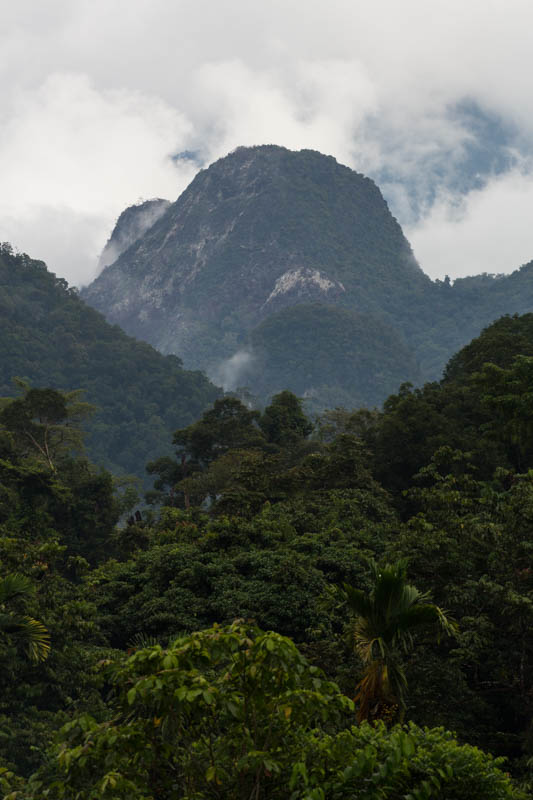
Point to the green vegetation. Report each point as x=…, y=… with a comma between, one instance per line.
x=16, y=629
x=237, y=712
x=384, y=621
x=49, y=337
x=211, y=647
x=335, y=356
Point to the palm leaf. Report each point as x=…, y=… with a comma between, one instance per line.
x=29, y=632
x=24, y=630
x=383, y=626
x=37, y=639
x=357, y=600
x=13, y=587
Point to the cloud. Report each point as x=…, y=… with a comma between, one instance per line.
x=317, y=105
x=72, y=157
x=489, y=230
x=97, y=96
x=66, y=239
x=230, y=372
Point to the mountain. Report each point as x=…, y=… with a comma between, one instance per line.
x=455, y=314
x=130, y=226
x=50, y=337
x=280, y=269
x=335, y=357
x=261, y=230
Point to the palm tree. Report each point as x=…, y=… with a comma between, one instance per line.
x=382, y=632
x=19, y=629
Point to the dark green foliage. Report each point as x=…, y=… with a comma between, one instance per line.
x=384, y=622
x=230, y=452
x=57, y=515
x=193, y=571
x=227, y=426
x=237, y=713
x=473, y=303
x=283, y=421
x=43, y=487
x=49, y=337
x=481, y=408
x=44, y=424
x=16, y=629
x=470, y=543
x=331, y=354
x=278, y=517
x=498, y=344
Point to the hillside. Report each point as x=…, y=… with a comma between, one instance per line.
x=455, y=314
x=354, y=359
x=50, y=337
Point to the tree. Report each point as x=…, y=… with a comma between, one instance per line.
x=229, y=425
x=470, y=542
x=19, y=629
x=506, y=397
x=283, y=421
x=385, y=619
x=222, y=713
x=238, y=713
x=45, y=423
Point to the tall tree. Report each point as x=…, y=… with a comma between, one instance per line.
x=229, y=425
x=283, y=421
x=382, y=632
x=45, y=423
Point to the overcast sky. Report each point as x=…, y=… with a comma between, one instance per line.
x=432, y=99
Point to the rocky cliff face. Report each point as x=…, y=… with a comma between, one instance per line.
x=260, y=230
x=279, y=269
x=130, y=226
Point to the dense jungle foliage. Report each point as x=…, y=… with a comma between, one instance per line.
x=310, y=609
x=50, y=337
x=360, y=359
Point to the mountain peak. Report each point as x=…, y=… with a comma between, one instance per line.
x=133, y=222
x=260, y=230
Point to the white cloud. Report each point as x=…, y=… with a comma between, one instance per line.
x=68, y=240
x=489, y=230
x=98, y=95
x=72, y=157
x=318, y=105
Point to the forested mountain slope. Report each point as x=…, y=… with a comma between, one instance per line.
x=50, y=337
x=455, y=314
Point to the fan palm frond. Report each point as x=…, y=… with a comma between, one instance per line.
x=17, y=628
x=383, y=626
x=13, y=587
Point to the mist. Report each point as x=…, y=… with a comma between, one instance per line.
x=131, y=225
x=230, y=373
